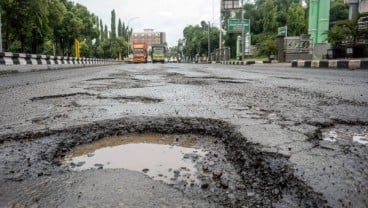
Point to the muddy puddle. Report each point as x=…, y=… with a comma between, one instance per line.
x=168, y=158
x=356, y=134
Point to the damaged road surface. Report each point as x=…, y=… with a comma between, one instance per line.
x=182, y=135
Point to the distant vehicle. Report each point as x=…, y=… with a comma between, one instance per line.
x=139, y=52
x=158, y=53
x=173, y=59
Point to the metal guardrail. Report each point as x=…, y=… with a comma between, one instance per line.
x=222, y=54
x=8, y=58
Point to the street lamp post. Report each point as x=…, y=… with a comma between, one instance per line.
x=1, y=39
x=128, y=38
x=242, y=37
x=220, y=40
x=209, y=41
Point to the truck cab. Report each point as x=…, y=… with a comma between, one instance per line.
x=158, y=53
x=139, y=52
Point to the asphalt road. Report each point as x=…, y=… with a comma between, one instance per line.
x=282, y=113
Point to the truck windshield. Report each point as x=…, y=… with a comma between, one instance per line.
x=138, y=50
x=158, y=50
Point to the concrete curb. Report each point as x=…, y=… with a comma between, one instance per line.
x=18, y=62
x=247, y=62
x=331, y=64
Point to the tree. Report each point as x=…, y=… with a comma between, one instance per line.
x=101, y=30
x=197, y=39
x=120, y=29
x=269, y=20
x=113, y=24
x=339, y=11
x=296, y=21
x=24, y=23
x=268, y=46
x=42, y=26
x=106, y=33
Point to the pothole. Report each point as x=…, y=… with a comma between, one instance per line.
x=168, y=158
x=100, y=79
x=221, y=166
x=357, y=134
x=88, y=99
x=233, y=82
x=291, y=78
x=134, y=99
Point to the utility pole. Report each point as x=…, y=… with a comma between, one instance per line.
x=209, y=41
x=242, y=37
x=220, y=41
x=1, y=37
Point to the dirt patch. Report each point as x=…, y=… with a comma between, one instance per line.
x=100, y=79
x=233, y=82
x=185, y=81
x=176, y=78
x=72, y=99
x=62, y=96
x=259, y=179
x=291, y=78
x=121, y=84
x=137, y=99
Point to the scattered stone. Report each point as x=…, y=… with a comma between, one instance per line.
x=205, y=186
x=275, y=191
x=241, y=187
x=145, y=170
x=216, y=174
x=176, y=173
x=224, y=182
x=251, y=194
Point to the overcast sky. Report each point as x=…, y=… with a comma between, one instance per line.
x=170, y=16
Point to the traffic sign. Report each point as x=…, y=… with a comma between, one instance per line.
x=237, y=25
x=230, y=5
x=282, y=31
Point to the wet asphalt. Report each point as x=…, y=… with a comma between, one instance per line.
x=265, y=119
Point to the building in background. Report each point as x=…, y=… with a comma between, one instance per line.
x=363, y=6
x=149, y=36
x=356, y=6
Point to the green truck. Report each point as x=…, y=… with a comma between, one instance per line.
x=158, y=53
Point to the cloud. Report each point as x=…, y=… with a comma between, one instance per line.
x=170, y=16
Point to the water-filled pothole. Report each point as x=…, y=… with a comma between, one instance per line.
x=169, y=158
x=358, y=134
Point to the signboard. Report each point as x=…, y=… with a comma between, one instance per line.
x=282, y=31
x=236, y=26
x=351, y=1
x=230, y=5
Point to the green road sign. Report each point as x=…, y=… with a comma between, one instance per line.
x=282, y=31
x=236, y=26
